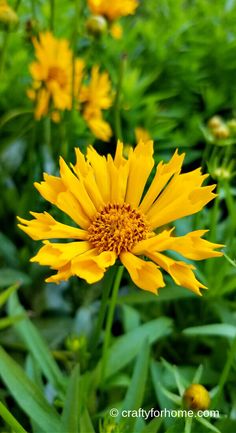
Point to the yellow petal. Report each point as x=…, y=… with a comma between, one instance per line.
x=141, y=164
x=76, y=187
x=183, y=196
x=57, y=255
x=145, y=275
x=44, y=226
x=91, y=266
x=164, y=172
x=99, y=165
x=181, y=272
x=63, y=274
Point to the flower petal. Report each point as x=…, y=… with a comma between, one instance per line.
x=44, y=226
x=164, y=172
x=91, y=266
x=140, y=166
x=181, y=272
x=145, y=275
x=183, y=196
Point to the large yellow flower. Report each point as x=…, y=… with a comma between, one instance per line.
x=52, y=73
x=115, y=219
x=95, y=97
x=113, y=10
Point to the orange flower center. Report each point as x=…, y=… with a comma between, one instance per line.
x=55, y=73
x=118, y=228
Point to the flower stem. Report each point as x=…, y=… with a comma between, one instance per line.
x=225, y=373
x=108, y=281
x=52, y=14
x=117, y=118
x=110, y=317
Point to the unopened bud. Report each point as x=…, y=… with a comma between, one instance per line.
x=196, y=397
x=214, y=122
x=96, y=25
x=221, y=132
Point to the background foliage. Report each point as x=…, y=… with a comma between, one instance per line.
x=175, y=68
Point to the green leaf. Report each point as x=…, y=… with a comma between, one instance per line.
x=207, y=424
x=217, y=329
x=11, y=420
x=125, y=348
x=27, y=394
x=134, y=396
x=7, y=293
x=13, y=114
x=10, y=276
x=70, y=414
x=85, y=422
x=153, y=426
x=36, y=345
x=8, y=321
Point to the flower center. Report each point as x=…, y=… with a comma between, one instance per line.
x=118, y=228
x=56, y=73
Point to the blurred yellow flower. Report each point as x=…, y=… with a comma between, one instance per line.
x=95, y=97
x=8, y=16
x=116, y=31
x=115, y=219
x=52, y=73
x=113, y=10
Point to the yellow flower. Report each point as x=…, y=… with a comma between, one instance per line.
x=116, y=31
x=104, y=197
x=113, y=10
x=52, y=73
x=196, y=397
x=8, y=16
x=96, y=96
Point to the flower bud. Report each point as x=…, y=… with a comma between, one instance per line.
x=196, y=397
x=96, y=25
x=221, y=132
x=214, y=122
x=8, y=17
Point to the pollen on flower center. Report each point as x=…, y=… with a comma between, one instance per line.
x=117, y=227
x=55, y=73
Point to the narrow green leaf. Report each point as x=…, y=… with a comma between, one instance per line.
x=13, y=114
x=9, y=276
x=8, y=321
x=36, y=345
x=216, y=329
x=153, y=426
x=11, y=420
x=198, y=375
x=7, y=293
x=208, y=425
x=134, y=396
x=85, y=422
x=126, y=348
x=27, y=394
x=70, y=415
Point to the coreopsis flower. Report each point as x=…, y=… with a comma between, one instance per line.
x=52, y=75
x=113, y=10
x=95, y=97
x=115, y=220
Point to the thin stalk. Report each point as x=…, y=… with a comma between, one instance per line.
x=110, y=317
x=52, y=15
x=11, y=420
x=225, y=373
x=108, y=281
x=117, y=117
x=188, y=425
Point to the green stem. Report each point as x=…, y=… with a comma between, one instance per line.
x=110, y=317
x=117, y=118
x=52, y=14
x=10, y=420
x=3, y=52
x=108, y=281
x=188, y=425
x=225, y=373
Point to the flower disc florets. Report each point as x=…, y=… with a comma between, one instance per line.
x=118, y=228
